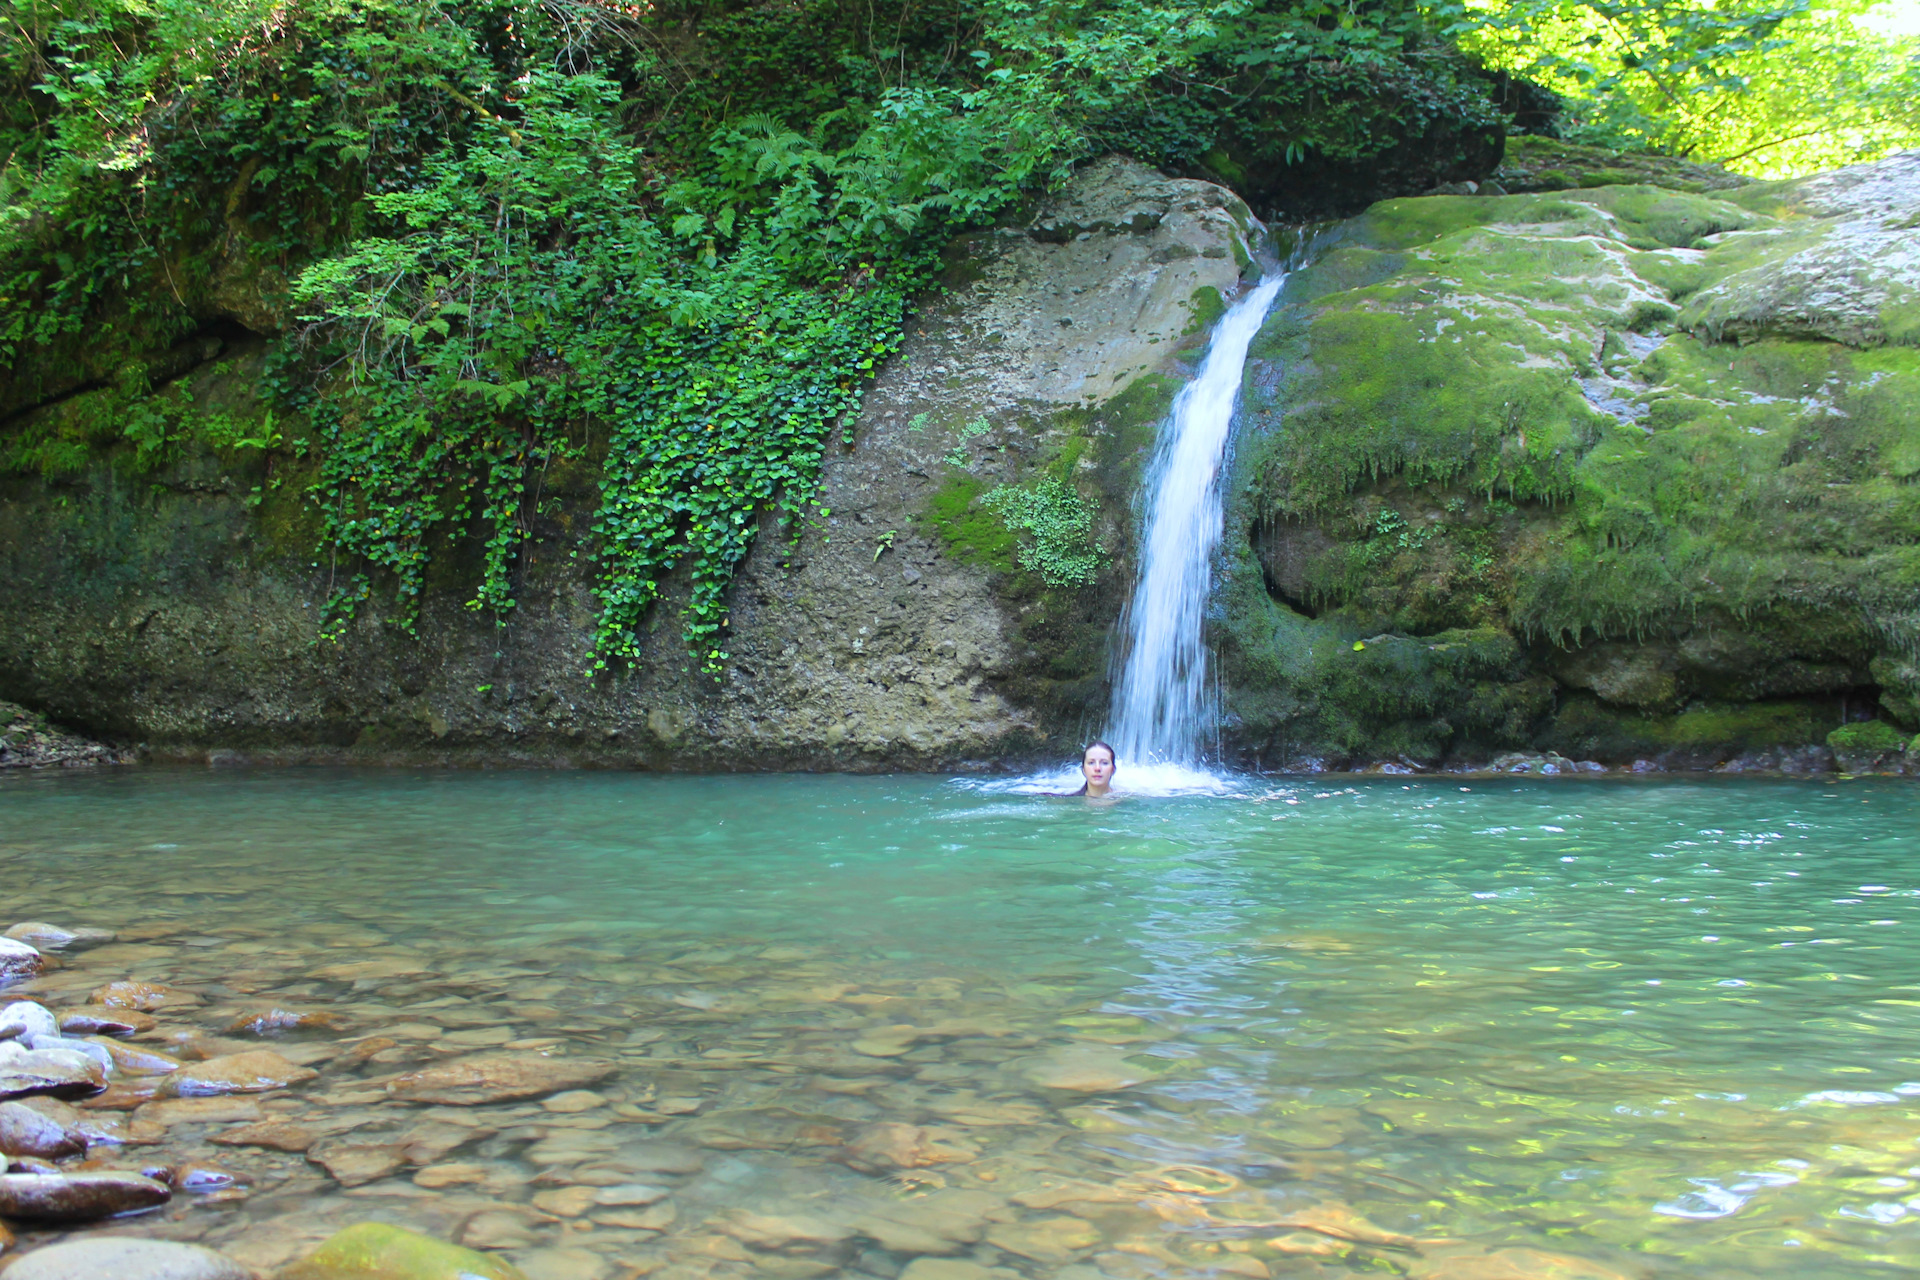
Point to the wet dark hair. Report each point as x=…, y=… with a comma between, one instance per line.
x=1112, y=755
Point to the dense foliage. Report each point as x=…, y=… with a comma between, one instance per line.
x=671, y=241
x=500, y=233
x=1772, y=87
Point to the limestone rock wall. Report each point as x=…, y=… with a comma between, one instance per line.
x=179, y=608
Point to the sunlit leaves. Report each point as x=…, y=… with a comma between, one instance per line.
x=1776, y=87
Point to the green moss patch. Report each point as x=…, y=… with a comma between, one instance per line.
x=1491, y=412
x=1585, y=728
x=1207, y=306
x=972, y=532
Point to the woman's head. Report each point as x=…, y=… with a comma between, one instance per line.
x=1096, y=766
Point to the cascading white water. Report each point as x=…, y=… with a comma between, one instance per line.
x=1161, y=705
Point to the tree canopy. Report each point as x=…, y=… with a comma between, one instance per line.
x=1776, y=88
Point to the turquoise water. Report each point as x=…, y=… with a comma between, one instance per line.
x=1660, y=1028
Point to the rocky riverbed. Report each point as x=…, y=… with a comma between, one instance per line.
x=604, y=1025
x=574, y=1112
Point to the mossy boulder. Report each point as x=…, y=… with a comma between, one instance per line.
x=1841, y=260
x=376, y=1251
x=1784, y=735
x=1599, y=422
x=1872, y=746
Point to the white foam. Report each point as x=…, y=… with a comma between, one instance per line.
x=1156, y=779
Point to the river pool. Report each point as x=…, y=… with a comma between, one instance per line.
x=1456, y=1028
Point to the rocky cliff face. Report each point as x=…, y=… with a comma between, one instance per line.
x=904, y=628
x=1625, y=473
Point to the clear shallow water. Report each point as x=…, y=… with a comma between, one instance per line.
x=1640, y=1028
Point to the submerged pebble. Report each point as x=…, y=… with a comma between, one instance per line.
x=497, y=1077
x=256, y=1071
x=51, y=937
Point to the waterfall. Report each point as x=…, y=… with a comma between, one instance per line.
x=1161, y=705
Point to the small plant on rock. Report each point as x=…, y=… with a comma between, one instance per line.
x=1059, y=521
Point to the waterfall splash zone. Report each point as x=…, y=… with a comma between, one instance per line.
x=1161, y=705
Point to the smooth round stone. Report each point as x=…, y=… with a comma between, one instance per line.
x=1082, y=1070
x=497, y=1077
x=945, y=1269
x=25, y=1018
x=24, y=1072
x=51, y=937
x=97, y=1020
x=261, y=1022
x=256, y=1071
x=574, y=1101
x=26, y=1131
x=372, y=1249
x=127, y=1260
x=144, y=997
x=77, y=1197
x=72, y=1044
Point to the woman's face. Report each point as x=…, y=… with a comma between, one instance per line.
x=1097, y=766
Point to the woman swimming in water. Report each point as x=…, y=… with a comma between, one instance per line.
x=1096, y=766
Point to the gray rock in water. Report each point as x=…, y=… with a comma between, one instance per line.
x=25, y=1018
x=71, y=1044
x=57, y=1072
x=127, y=1260
x=51, y=937
x=77, y=1197
x=28, y=1131
x=18, y=960
x=95, y=1020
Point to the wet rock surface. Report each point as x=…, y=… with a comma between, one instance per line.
x=77, y=1197
x=255, y=1071
x=124, y=1259
x=24, y=1019
x=18, y=959
x=29, y=1131
x=52, y=937
x=58, y=1073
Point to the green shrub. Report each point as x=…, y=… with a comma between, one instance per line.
x=1059, y=524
